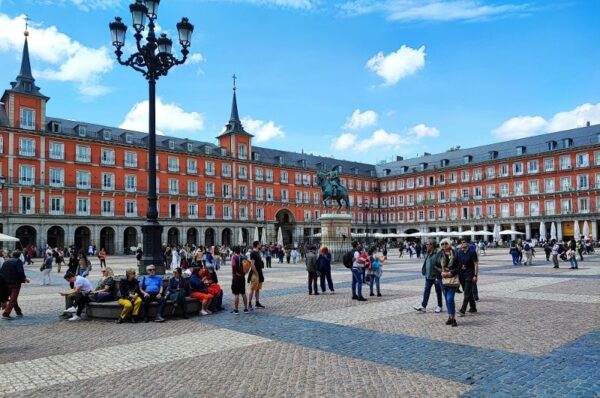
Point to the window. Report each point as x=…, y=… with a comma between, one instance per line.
x=258, y=174
x=108, y=208
x=1, y=144
x=83, y=206
x=503, y=189
x=26, y=147
x=107, y=156
x=128, y=138
x=173, y=164
x=209, y=189
x=452, y=177
x=306, y=180
x=533, y=166
x=298, y=197
x=269, y=196
x=269, y=175
x=567, y=142
x=519, y=188
x=192, y=210
x=209, y=168
x=596, y=154
x=464, y=176
x=583, y=205
x=243, y=190
x=534, y=187
x=108, y=181
x=83, y=154
x=26, y=175
x=227, y=212
x=192, y=188
x=306, y=215
x=503, y=170
x=207, y=150
x=583, y=182
x=298, y=179
x=549, y=164
x=226, y=190
x=441, y=179
x=518, y=168
x=130, y=208
x=477, y=174
x=467, y=159
x=551, y=145
x=242, y=172
x=534, y=209
x=226, y=170
x=284, y=195
x=283, y=177
x=521, y=150
x=130, y=183
x=173, y=186
x=171, y=144
x=317, y=198
x=83, y=179
x=566, y=206
x=56, y=177
x=549, y=185
x=519, y=210
x=565, y=162
x=242, y=151
x=491, y=210
x=130, y=159
x=504, y=210
x=26, y=204
x=477, y=192
x=491, y=191
x=82, y=131
x=260, y=213
x=549, y=207
x=243, y=213
x=565, y=184
x=190, y=147
x=420, y=182
x=27, y=120
x=106, y=133
x=410, y=183
x=259, y=193
x=490, y=172
x=582, y=160
x=57, y=150
x=56, y=206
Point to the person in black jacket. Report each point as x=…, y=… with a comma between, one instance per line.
x=14, y=275
x=130, y=296
x=447, y=266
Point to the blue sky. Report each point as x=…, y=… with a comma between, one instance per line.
x=358, y=79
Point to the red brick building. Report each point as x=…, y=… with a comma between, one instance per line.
x=64, y=182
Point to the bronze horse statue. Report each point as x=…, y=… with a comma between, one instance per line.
x=327, y=189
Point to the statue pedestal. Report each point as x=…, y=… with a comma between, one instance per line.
x=336, y=234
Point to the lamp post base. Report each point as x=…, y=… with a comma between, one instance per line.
x=152, y=235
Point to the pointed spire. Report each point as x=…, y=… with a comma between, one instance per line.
x=25, y=63
x=235, y=124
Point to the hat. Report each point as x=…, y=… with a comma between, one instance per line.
x=446, y=240
x=148, y=268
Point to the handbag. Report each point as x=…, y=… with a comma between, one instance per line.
x=451, y=281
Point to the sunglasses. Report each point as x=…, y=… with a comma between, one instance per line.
x=444, y=244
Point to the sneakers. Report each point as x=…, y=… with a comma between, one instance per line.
x=71, y=310
x=420, y=308
x=371, y=294
x=378, y=294
x=354, y=297
x=203, y=312
x=449, y=321
x=159, y=319
x=250, y=308
x=245, y=311
x=74, y=318
x=361, y=298
x=461, y=313
x=7, y=318
x=454, y=324
x=438, y=309
x=259, y=305
x=235, y=312
x=473, y=310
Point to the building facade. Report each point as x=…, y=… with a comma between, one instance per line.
x=73, y=183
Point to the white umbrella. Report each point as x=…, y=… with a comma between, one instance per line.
x=543, y=231
x=7, y=238
x=318, y=235
x=241, y=237
x=553, y=232
x=279, y=236
x=484, y=233
x=497, y=232
x=468, y=232
x=256, y=235
x=586, y=229
x=511, y=232
x=576, y=233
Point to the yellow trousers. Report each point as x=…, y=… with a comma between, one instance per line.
x=128, y=306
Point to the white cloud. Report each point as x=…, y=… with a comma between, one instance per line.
x=344, y=142
x=261, y=130
x=397, y=65
x=360, y=119
x=526, y=126
x=432, y=10
x=423, y=131
x=169, y=118
x=195, y=58
x=62, y=58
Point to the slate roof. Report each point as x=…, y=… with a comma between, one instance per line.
x=581, y=137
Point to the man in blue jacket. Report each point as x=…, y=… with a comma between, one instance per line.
x=151, y=286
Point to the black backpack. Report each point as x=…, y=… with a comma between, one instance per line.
x=348, y=259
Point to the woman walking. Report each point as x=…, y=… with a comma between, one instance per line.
x=102, y=258
x=447, y=266
x=324, y=266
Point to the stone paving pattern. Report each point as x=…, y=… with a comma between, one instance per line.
x=537, y=333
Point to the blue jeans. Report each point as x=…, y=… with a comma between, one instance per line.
x=439, y=288
x=357, y=282
x=374, y=278
x=573, y=262
x=515, y=258
x=449, y=292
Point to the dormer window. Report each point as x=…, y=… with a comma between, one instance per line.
x=467, y=159
x=355, y=171
x=81, y=131
x=190, y=147
x=444, y=162
x=27, y=86
x=128, y=138
x=340, y=168
x=493, y=155
x=54, y=127
x=404, y=169
x=223, y=151
x=207, y=150
x=256, y=156
x=106, y=134
x=171, y=144
x=302, y=163
x=279, y=159
x=521, y=150
x=422, y=166
x=551, y=145
x=567, y=142
x=387, y=172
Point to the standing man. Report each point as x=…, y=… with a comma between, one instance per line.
x=256, y=277
x=268, y=255
x=432, y=278
x=469, y=267
x=238, y=284
x=151, y=287
x=555, y=250
x=358, y=266
x=311, y=267
x=14, y=275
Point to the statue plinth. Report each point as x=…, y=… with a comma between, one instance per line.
x=336, y=234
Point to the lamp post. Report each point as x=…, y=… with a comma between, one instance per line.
x=153, y=60
x=366, y=208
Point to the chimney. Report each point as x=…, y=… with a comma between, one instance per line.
x=588, y=123
x=399, y=158
x=426, y=154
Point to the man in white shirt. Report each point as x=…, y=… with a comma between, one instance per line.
x=76, y=296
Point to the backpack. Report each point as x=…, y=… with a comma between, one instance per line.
x=527, y=247
x=242, y=265
x=375, y=264
x=348, y=258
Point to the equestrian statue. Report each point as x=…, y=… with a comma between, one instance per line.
x=331, y=188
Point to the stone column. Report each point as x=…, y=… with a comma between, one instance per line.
x=473, y=235
x=594, y=229
x=119, y=243
x=559, y=234
x=527, y=231
x=513, y=236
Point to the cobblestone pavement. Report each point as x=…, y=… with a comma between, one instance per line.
x=536, y=333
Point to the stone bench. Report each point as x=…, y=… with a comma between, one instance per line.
x=112, y=309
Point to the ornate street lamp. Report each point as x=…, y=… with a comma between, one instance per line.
x=153, y=60
x=366, y=208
